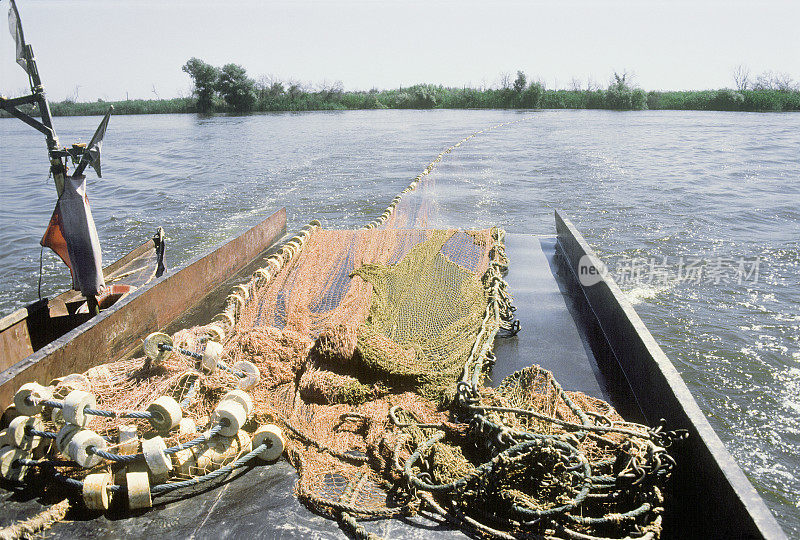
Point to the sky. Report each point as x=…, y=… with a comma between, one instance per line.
x=113, y=50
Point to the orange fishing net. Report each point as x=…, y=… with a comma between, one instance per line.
x=372, y=346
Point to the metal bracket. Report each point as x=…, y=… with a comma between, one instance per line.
x=160, y=241
x=9, y=105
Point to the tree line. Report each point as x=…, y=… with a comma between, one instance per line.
x=230, y=89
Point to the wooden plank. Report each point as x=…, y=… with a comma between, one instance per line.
x=15, y=341
x=120, y=329
x=13, y=318
x=711, y=496
x=137, y=253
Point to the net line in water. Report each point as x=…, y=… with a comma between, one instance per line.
x=362, y=354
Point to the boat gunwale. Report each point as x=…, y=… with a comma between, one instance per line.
x=643, y=361
x=14, y=317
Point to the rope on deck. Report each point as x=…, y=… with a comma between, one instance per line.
x=38, y=523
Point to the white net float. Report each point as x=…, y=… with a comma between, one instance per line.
x=251, y=374
x=231, y=416
x=242, y=398
x=274, y=262
x=78, y=380
x=153, y=350
x=184, y=461
x=262, y=275
x=286, y=252
x=242, y=291
x=221, y=451
x=9, y=414
x=99, y=373
x=74, y=405
x=225, y=318
x=28, y=392
x=166, y=414
x=211, y=356
x=203, y=458
x=237, y=300
x=187, y=427
x=74, y=381
x=272, y=437
x=128, y=440
x=215, y=332
x=18, y=431
x=78, y=448
x=157, y=461
x=138, y=485
x=95, y=490
x=64, y=435
x=10, y=468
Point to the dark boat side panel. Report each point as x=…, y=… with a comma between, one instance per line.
x=710, y=493
x=120, y=329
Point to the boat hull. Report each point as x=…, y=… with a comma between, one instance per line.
x=30, y=328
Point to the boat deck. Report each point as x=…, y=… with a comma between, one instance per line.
x=550, y=335
x=262, y=499
x=563, y=332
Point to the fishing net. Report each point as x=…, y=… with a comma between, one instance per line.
x=369, y=348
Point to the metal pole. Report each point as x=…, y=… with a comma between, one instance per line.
x=57, y=166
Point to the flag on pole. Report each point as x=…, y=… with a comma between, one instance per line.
x=73, y=236
x=15, y=27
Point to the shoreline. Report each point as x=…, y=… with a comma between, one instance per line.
x=434, y=97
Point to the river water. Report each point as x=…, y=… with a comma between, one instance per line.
x=696, y=214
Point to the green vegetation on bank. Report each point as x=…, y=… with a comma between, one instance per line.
x=726, y=100
x=131, y=106
x=229, y=89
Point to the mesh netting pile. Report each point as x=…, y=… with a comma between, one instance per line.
x=372, y=346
